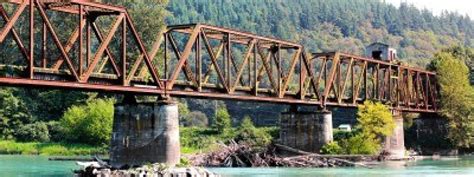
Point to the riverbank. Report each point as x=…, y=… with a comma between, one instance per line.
x=49, y=149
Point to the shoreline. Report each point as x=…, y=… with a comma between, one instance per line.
x=10, y=147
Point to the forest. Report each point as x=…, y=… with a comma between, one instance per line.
x=57, y=116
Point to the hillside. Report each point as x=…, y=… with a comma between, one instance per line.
x=343, y=25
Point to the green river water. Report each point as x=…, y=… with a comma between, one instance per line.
x=37, y=166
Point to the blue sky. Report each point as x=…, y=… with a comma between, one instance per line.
x=461, y=6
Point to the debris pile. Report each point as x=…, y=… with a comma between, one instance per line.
x=243, y=155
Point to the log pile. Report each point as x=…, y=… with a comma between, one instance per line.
x=243, y=155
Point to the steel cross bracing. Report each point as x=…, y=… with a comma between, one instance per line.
x=194, y=60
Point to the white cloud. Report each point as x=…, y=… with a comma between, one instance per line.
x=437, y=6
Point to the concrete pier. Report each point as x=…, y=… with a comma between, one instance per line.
x=307, y=131
x=395, y=144
x=145, y=133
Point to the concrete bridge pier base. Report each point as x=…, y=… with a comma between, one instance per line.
x=145, y=133
x=307, y=131
x=395, y=144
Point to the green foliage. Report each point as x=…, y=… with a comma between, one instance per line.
x=184, y=162
x=50, y=105
x=195, y=139
x=457, y=98
x=90, y=123
x=196, y=119
x=375, y=122
x=331, y=148
x=13, y=113
x=37, y=131
x=223, y=120
x=340, y=135
x=375, y=119
x=361, y=144
x=248, y=133
x=55, y=131
x=183, y=109
x=36, y=148
x=323, y=25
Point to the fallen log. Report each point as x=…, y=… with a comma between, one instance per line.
x=310, y=154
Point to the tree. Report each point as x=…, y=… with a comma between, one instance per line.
x=90, y=123
x=375, y=120
x=37, y=131
x=248, y=133
x=223, y=120
x=183, y=111
x=466, y=55
x=13, y=113
x=457, y=98
x=196, y=119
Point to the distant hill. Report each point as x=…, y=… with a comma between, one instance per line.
x=345, y=25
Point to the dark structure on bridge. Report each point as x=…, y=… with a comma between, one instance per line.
x=194, y=60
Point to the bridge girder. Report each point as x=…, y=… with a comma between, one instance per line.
x=197, y=60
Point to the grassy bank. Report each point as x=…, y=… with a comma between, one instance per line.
x=193, y=140
x=35, y=148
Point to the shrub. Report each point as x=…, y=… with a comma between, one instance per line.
x=195, y=139
x=361, y=144
x=340, y=135
x=33, y=132
x=90, y=123
x=196, y=119
x=223, y=120
x=248, y=133
x=331, y=148
x=375, y=122
x=55, y=131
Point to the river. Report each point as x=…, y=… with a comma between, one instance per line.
x=37, y=166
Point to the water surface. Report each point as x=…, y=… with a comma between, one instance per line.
x=33, y=166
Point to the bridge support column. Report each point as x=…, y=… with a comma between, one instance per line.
x=145, y=133
x=395, y=144
x=307, y=131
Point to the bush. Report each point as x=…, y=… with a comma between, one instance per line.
x=331, y=148
x=33, y=132
x=248, y=133
x=375, y=122
x=194, y=139
x=340, y=135
x=361, y=144
x=90, y=123
x=196, y=119
x=55, y=131
x=223, y=120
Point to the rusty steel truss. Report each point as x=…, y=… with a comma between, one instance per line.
x=194, y=60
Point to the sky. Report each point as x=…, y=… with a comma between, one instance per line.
x=462, y=6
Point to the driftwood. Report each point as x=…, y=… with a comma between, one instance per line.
x=244, y=155
x=310, y=154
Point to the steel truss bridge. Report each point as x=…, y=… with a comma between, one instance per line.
x=102, y=51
